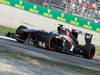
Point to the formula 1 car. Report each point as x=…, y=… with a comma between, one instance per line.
x=66, y=41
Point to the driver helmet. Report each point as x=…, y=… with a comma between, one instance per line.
x=61, y=25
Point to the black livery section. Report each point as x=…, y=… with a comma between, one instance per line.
x=64, y=40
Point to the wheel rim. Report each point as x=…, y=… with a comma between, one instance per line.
x=68, y=44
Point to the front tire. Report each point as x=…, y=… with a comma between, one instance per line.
x=22, y=36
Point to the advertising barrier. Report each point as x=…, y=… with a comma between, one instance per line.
x=58, y=15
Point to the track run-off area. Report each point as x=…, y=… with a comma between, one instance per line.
x=13, y=46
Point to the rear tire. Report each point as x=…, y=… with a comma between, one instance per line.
x=23, y=36
x=88, y=51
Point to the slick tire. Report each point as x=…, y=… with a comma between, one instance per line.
x=23, y=36
x=88, y=51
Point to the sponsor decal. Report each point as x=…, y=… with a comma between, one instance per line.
x=88, y=26
x=75, y=22
x=61, y=18
x=98, y=29
x=48, y=14
x=19, y=5
x=34, y=9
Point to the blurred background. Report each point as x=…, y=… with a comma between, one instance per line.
x=89, y=9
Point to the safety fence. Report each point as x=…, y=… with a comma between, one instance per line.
x=58, y=15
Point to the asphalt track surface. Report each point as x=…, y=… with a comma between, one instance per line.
x=13, y=46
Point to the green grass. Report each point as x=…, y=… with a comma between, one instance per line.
x=52, y=63
x=4, y=29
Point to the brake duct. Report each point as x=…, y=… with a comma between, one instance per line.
x=66, y=41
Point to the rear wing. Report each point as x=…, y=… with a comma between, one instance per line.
x=88, y=36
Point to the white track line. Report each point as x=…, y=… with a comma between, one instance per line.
x=8, y=38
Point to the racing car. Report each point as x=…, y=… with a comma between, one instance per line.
x=66, y=41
